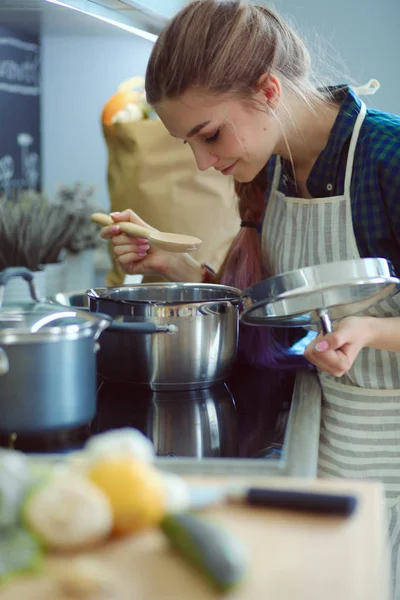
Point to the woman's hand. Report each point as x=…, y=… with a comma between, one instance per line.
x=135, y=255
x=335, y=352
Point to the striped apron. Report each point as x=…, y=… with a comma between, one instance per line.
x=360, y=423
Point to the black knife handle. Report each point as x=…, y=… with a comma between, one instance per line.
x=332, y=504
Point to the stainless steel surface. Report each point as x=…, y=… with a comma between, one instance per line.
x=325, y=320
x=152, y=296
x=200, y=354
x=343, y=288
x=76, y=299
x=47, y=321
x=48, y=386
x=81, y=17
x=36, y=325
x=50, y=380
x=200, y=424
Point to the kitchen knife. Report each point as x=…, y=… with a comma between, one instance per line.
x=304, y=501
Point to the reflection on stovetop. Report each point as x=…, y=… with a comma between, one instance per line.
x=245, y=417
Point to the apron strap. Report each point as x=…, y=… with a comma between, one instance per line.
x=368, y=89
x=277, y=174
x=352, y=148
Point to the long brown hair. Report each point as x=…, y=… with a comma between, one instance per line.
x=225, y=47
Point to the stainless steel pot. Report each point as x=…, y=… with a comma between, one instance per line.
x=47, y=363
x=206, y=317
x=199, y=355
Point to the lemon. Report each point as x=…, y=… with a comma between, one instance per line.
x=135, y=490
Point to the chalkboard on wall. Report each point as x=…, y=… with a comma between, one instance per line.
x=19, y=112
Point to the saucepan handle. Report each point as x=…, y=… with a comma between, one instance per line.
x=142, y=327
x=23, y=272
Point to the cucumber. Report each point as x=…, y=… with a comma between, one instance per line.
x=218, y=555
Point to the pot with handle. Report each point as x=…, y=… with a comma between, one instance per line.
x=203, y=351
x=47, y=363
x=199, y=355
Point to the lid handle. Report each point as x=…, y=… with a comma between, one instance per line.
x=12, y=272
x=325, y=320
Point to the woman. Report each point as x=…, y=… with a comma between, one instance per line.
x=318, y=180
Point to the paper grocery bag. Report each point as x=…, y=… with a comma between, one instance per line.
x=156, y=176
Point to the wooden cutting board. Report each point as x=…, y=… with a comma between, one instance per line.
x=293, y=556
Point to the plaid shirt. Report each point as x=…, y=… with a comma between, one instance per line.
x=375, y=185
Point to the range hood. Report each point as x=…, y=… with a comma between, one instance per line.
x=88, y=17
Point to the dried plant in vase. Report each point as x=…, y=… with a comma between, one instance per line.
x=35, y=232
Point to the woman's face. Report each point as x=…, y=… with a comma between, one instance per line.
x=232, y=136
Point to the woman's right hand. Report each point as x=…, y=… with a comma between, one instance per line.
x=135, y=255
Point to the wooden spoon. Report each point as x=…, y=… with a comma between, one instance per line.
x=172, y=242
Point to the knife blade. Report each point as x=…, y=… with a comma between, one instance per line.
x=344, y=505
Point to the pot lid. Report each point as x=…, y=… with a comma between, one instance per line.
x=319, y=294
x=39, y=321
x=45, y=322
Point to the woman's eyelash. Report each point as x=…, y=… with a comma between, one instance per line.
x=213, y=138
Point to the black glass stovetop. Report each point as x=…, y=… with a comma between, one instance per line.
x=244, y=417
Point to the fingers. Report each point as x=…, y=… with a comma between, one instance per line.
x=331, y=355
x=128, y=251
x=122, y=239
x=128, y=259
x=107, y=233
x=138, y=251
x=333, y=362
x=113, y=233
x=129, y=216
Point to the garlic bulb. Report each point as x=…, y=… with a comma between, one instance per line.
x=68, y=512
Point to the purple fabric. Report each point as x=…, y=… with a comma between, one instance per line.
x=259, y=348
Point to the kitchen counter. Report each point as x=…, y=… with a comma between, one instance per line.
x=293, y=556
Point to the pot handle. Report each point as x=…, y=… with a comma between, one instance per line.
x=4, y=364
x=23, y=272
x=142, y=327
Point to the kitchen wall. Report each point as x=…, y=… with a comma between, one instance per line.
x=348, y=37
x=79, y=74
x=357, y=38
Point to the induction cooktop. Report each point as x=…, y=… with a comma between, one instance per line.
x=245, y=417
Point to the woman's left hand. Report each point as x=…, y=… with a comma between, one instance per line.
x=335, y=352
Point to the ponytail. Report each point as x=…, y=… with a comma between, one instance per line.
x=242, y=268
